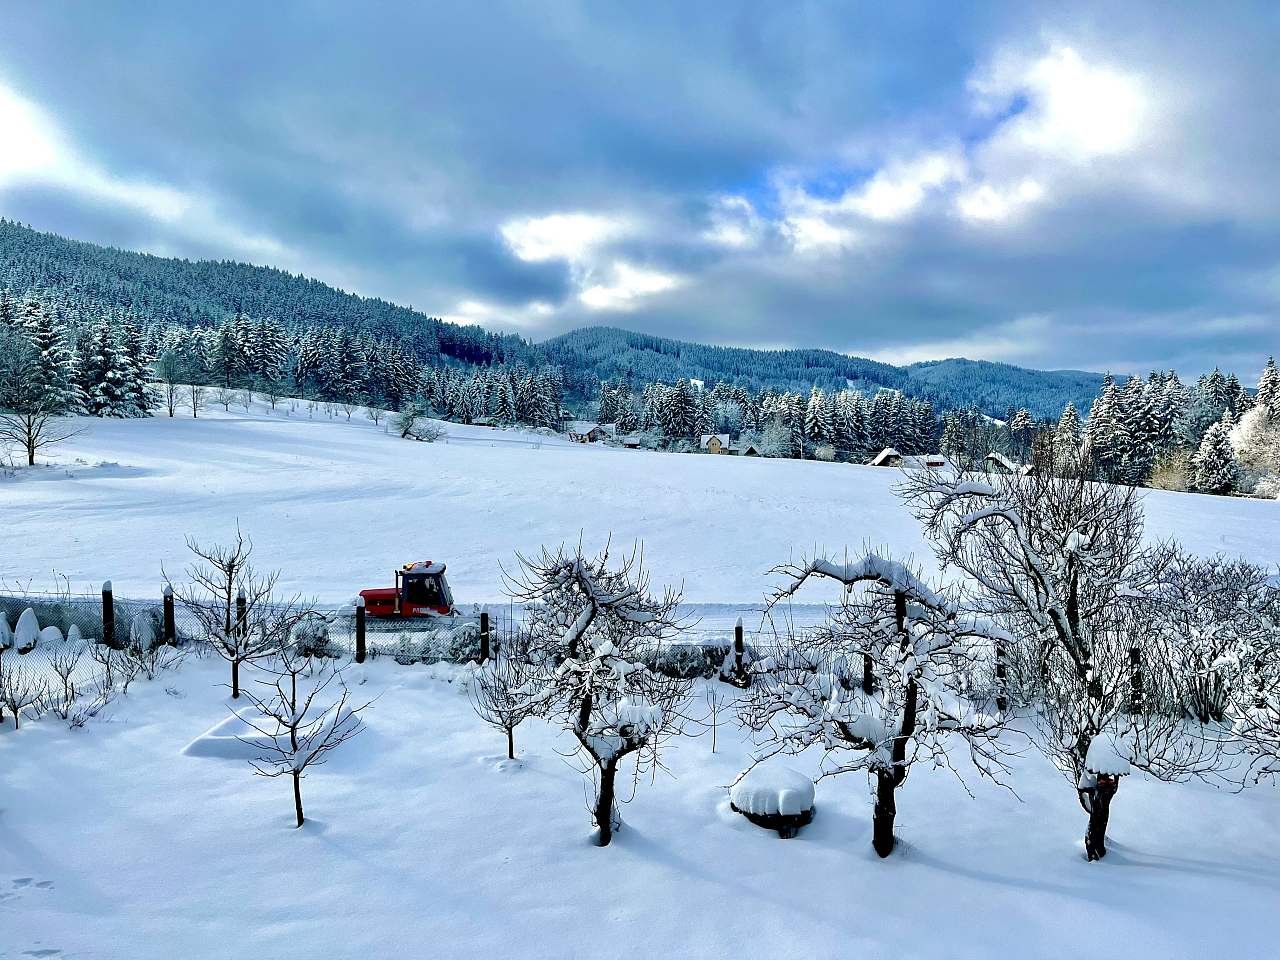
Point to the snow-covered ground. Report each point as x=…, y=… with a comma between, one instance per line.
x=117, y=840
x=425, y=842
x=335, y=505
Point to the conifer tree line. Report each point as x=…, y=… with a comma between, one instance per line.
x=1213, y=436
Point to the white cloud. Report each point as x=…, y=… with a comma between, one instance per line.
x=582, y=240
x=499, y=316
x=37, y=152
x=562, y=236
x=734, y=223
x=1077, y=110
x=1019, y=339
x=898, y=189
x=627, y=283
x=986, y=202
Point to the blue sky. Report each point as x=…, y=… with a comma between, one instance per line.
x=1092, y=188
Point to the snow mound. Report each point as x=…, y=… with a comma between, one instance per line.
x=231, y=739
x=1106, y=757
x=773, y=790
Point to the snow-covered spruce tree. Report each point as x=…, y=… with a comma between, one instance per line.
x=302, y=718
x=53, y=375
x=593, y=628
x=29, y=419
x=1215, y=466
x=236, y=608
x=1056, y=562
x=881, y=686
x=106, y=374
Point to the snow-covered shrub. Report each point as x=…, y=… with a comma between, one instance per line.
x=1058, y=563
x=1267, y=487
x=310, y=637
x=1208, y=615
x=590, y=623
x=22, y=691
x=878, y=687
x=824, y=452
x=775, y=797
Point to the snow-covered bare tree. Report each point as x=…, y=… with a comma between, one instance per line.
x=881, y=686
x=1056, y=561
x=498, y=692
x=236, y=608
x=594, y=630
x=304, y=713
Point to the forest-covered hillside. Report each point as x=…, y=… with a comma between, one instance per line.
x=90, y=277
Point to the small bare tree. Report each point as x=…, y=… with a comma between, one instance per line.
x=196, y=394
x=593, y=628
x=498, y=690
x=236, y=608
x=375, y=413
x=879, y=688
x=225, y=396
x=301, y=727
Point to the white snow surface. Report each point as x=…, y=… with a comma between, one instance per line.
x=772, y=788
x=422, y=840
x=336, y=505
x=1106, y=757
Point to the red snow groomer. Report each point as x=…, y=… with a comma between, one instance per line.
x=420, y=591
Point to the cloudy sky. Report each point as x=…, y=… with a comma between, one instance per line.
x=1095, y=188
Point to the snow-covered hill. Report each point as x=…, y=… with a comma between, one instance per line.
x=336, y=504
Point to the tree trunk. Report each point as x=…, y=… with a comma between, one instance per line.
x=605, y=804
x=1095, y=837
x=511, y=743
x=297, y=797
x=886, y=809
x=235, y=679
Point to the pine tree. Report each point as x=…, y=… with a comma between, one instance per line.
x=54, y=375
x=1268, y=395
x=1215, y=466
x=138, y=366
x=105, y=374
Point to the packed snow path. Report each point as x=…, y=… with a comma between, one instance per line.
x=336, y=504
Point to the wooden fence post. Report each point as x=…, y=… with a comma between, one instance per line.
x=170, y=624
x=484, y=636
x=360, y=629
x=108, y=615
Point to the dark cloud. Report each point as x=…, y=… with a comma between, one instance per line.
x=384, y=148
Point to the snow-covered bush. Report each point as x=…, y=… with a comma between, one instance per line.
x=590, y=625
x=1207, y=615
x=310, y=637
x=878, y=687
x=1058, y=563
x=1256, y=442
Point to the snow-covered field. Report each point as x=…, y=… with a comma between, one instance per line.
x=424, y=842
x=335, y=505
x=118, y=842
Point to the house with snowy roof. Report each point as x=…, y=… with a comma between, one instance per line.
x=715, y=443
x=583, y=431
